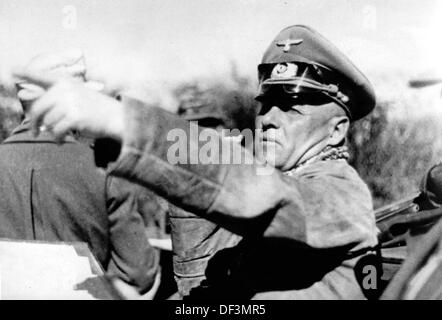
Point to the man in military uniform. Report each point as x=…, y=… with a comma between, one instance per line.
x=197, y=240
x=52, y=191
x=304, y=224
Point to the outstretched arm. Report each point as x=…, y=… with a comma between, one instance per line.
x=241, y=197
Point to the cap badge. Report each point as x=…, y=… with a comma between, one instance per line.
x=284, y=71
x=286, y=44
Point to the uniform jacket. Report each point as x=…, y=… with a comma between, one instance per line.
x=297, y=230
x=54, y=192
x=195, y=239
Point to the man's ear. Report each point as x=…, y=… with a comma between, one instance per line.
x=339, y=126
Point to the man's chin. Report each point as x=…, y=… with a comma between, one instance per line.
x=272, y=160
x=269, y=154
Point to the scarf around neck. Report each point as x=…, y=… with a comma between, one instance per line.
x=329, y=153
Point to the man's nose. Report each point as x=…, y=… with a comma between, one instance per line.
x=271, y=119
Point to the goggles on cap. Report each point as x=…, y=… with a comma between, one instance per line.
x=299, y=79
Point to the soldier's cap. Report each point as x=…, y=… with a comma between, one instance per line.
x=300, y=61
x=195, y=105
x=200, y=112
x=66, y=64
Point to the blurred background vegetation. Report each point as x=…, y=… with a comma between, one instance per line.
x=391, y=153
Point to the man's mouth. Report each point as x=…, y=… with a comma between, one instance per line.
x=268, y=139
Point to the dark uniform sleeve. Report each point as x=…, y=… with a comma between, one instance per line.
x=132, y=258
x=320, y=209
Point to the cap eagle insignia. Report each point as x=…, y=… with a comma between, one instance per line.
x=286, y=44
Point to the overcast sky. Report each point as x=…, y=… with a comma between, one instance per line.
x=176, y=39
x=169, y=41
